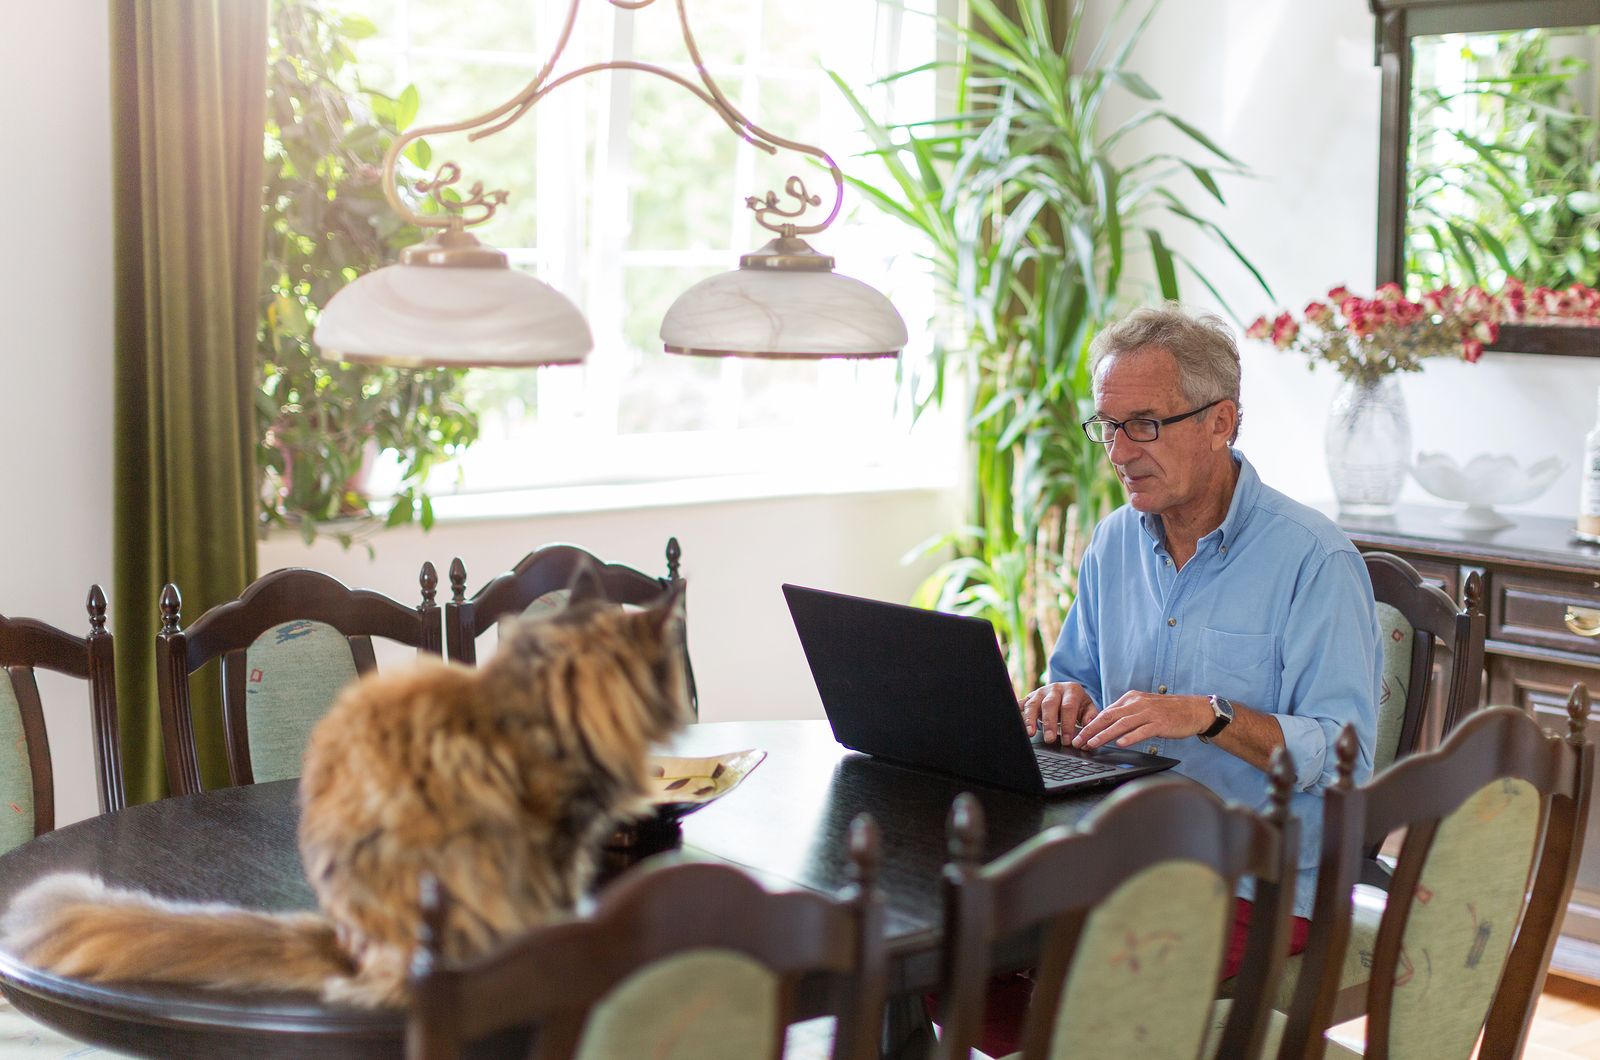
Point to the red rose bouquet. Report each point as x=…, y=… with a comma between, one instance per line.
x=1368, y=338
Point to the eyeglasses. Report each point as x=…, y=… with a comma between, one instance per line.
x=1140, y=429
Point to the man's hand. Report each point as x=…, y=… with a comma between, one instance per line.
x=1057, y=708
x=1144, y=716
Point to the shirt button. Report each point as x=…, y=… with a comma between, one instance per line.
x=1167, y=562
x=1172, y=622
x=1151, y=749
x=1162, y=690
x=1222, y=548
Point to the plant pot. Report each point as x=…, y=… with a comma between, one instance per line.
x=1368, y=445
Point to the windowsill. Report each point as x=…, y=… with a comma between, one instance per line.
x=672, y=493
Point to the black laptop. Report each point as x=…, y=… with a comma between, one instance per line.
x=931, y=690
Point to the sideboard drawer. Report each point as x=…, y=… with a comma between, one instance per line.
x=1545, y=609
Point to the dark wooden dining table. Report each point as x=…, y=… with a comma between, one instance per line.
x=786, y=823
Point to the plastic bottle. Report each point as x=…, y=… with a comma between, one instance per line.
x=1589, y=504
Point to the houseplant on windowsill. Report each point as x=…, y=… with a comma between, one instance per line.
x=1369, y=341
x=321, y=425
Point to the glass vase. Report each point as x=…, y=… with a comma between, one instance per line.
x=1368, y=445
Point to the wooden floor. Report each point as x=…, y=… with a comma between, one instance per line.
x=1566, y=1025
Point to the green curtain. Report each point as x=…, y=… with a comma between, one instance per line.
x=188, y=95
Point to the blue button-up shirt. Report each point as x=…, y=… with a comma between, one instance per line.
x=1274, y=611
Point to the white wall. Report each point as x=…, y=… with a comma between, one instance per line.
x=55, y=364
x=1290, y=88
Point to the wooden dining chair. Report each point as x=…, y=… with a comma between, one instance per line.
x=27, y=780
x=287, y=645
x=1133, y=909
x=678, y=960
x=1494, y=823
x=540, y=580
x=1415, y=620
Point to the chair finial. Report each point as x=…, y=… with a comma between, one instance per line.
x=1280, y=783
x=1344, y=750
x=965, y=828
x=1577, y=714
x=674, y=554
x=430, y=926
x=171, y=608
x=1472, y=593
x=458, y=581
x=96, y=606
x=866, y=852
x=429, y=580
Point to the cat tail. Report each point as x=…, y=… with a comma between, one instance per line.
x=77, y=926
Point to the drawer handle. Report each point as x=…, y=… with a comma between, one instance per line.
x=1584, y=621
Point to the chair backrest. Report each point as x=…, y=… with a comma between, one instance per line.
x=287, y=645
x=677, y=960
x=1494, y=822
x=1134, y=909
x=538, y=578
x=1414, y=619
x=27, y=781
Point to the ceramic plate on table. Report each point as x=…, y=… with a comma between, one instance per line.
x=680, y=786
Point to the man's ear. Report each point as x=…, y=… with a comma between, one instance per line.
x=1224, y=422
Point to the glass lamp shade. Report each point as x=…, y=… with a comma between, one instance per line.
x=783, y=314
x=452, y=317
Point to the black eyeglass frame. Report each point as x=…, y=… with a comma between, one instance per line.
x=1155, y=425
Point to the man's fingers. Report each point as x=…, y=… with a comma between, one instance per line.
x=1050, y=712
x=1114, y=731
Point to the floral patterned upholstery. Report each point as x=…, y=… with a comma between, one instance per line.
x=293, y=673
x=16, y=778
x=1397, y=637
x=1142, y=980
x=700, y=1005
x=1463, y=919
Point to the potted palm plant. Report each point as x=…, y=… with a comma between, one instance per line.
x=1037, y=218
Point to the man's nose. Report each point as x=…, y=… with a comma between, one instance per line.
x=1121, y=448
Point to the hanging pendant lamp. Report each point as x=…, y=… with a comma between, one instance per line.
x=454, y=301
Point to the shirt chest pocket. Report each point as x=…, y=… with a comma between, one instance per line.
x=1240, y=666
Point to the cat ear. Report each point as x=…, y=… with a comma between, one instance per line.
x=669, y=607
x=585, y=585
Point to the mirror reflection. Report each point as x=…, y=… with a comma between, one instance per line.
x=1503, y=169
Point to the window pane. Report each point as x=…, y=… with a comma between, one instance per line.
x=682, y=175
x=504, y=26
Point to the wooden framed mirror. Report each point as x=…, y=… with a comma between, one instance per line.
x=1489, y=160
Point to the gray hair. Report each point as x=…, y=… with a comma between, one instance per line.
x=1201, y=343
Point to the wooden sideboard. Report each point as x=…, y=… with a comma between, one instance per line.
x=1541, y=592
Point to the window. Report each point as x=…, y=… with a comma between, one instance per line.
x=625, y=190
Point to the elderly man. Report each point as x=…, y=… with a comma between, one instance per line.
x=1216, y=619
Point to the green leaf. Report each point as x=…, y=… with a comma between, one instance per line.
x=406, y=108
x=1166, y=273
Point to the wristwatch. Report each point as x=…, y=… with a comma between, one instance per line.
x=1224, y=714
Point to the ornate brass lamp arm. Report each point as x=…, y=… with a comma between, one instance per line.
x=457, y=217
x=794, y=187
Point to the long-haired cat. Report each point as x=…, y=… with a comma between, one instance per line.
x=502, y=782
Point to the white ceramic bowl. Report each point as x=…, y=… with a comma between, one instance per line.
x=1484, y=481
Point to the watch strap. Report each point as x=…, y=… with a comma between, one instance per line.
x=1224, y=714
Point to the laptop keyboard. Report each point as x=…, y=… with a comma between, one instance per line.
x=1058, y=767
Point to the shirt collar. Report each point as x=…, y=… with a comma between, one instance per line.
x=1245, y=492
